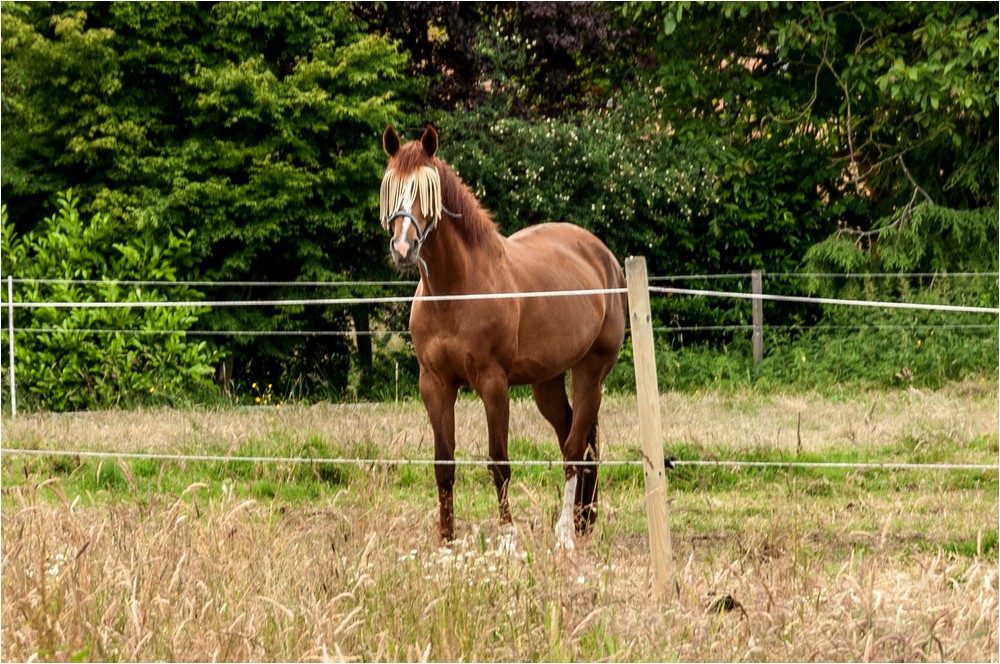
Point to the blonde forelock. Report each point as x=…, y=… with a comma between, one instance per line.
x=399, y=192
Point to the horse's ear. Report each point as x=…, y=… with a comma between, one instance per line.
x=390, y=141
x=430, y=140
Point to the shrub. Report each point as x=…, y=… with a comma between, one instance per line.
x=690, y=204
x=62, y=364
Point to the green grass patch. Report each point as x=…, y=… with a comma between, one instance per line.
x=848, y=508
x=985, y=544
x=128, y=479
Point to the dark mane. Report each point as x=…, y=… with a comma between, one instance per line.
x=474, y=223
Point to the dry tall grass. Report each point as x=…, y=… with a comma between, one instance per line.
x=185, y=580
x=358, y=577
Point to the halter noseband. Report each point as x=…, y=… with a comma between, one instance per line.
x=422, y=233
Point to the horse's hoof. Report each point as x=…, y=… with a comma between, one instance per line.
x=564, y=536
x=507, y=542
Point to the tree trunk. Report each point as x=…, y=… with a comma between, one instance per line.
x=362, y=327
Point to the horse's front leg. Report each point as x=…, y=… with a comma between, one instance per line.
x=439, y=400
x=494, y=390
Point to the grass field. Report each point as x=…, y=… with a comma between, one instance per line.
x=183, y=560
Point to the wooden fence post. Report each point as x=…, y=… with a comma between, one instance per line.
x=758, y=318
x=648, y=398
x=10, y=323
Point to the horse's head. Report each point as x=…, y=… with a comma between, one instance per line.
x=410, y=200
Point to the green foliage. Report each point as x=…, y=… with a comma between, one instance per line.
x=850, y=349
x=255, y=123
x=913, y=347
x=900, y=95
x=690, y=207
x=914, y=354
x=926, y=238
x=392, y=376
x=543, y=59
x=71, y=126
x=61, y=366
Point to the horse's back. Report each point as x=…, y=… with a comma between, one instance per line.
x=562, y=256
x=565, y=257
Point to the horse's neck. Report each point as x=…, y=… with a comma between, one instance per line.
x=452, y=265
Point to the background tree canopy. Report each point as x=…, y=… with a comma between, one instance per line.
x=709, y=137
x=253, y=125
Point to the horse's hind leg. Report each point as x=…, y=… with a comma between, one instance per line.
x=550, y=396
x=582, y=445
x=554, y=406
x=586, y=488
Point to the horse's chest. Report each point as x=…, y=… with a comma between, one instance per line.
x=462, y=347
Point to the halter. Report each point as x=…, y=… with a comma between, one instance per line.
x=422, y=233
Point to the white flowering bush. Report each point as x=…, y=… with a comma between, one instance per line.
x=626, y=183
x=691, y=204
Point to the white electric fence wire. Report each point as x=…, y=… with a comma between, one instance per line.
x=877, y=275
x=335, y=284
x=504, y=296
x=873, y=326
x=479, y=462
x=342, y=301
x=825, y=300
x=267, y=459
x=696, y=277
x=351, y=333
x=841, y=464
x=221, y=333
x=203, y=284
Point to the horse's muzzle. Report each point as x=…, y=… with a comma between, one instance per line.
x=407, y=238
x=404, y=252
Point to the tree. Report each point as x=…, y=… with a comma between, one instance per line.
x=544, y=59
x=256, y=124
x=903, y=97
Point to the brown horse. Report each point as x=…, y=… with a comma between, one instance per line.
x=438, y=226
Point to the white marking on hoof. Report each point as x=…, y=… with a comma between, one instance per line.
x=565, y=528
x=507, y=542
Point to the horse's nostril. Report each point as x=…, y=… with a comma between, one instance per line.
x=402, y=248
